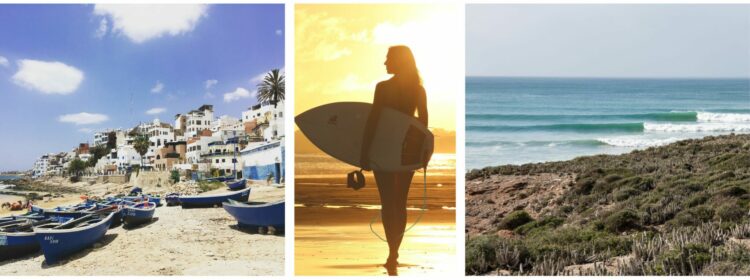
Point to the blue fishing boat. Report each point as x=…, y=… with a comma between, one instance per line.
x=59, y=240
x=151, y=198
x=172, y=199
x=17, y=237
x=140, y=213
x=220, y=179
x=257, y=214
x=115, y=207
x=236, y=184
x=213, y=200
x=75, y=211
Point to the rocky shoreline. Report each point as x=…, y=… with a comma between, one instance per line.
x=573, y=217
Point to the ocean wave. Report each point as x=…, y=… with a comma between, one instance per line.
x=722, y=117
x=580, y=127
x=667, y=116
x=583, y=142
x=697, y=127
x=638, y=141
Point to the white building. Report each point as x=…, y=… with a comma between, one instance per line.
x=127, y=156
x=263, y=161
x=159, y=134
x=223, y=156
x=198, y=146
x=226, y=122
x=267, y=118
x=40, y=167
x=102, y=137
x=195, y=121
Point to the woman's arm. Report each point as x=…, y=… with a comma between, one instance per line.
x=422, y=106
x=370, y=126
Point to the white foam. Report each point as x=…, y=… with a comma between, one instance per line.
x=697, y=127
x=627, y=141
x=723, y=117
x=2, y=187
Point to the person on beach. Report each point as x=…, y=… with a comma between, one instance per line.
x=404, y=93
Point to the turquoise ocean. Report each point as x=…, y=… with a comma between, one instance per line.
x=526, y=120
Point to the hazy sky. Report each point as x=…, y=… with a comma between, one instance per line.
x=67, y=71
x=608, y=40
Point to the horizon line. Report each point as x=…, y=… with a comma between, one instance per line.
x=609, y=77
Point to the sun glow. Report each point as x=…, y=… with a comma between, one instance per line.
x=340, y=50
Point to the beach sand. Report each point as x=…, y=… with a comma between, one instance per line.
x=332, y=228
x=179, y=242
x=344, y=244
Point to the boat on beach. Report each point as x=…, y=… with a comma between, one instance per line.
x=140, y=213
x=214, y=199
x=256, y=214
x=172, y=199
x=59, y=240
x=236, y=184
x=146, y=197
x=17, y=237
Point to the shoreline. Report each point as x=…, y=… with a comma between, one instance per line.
x=635, y=149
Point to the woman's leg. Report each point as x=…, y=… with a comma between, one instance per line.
x=394, y=190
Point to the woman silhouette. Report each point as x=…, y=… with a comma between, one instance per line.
x=404, y=93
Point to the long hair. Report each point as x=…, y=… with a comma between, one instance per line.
x=406, y=66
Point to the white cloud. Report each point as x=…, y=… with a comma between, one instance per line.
x=237, y=94
x=257, y=78
x=141, y=23
x=211, y=83
x=102, y=30
x=156, y=111
x=279, y=32
x=85, y=130
x=157, y=88
x=4, y=61
x=47, y=77
x=83, y=118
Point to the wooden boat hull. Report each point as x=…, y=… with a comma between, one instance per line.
x=254, y=215
x=154, y=199
x=57, y=244
x=214, y=200
x=172, y=199
x=13, y=245
x=133, y=215
x=236, y=185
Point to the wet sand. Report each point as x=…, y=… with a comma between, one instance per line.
x=343, y=244
x=332, y=228
x=202, y=241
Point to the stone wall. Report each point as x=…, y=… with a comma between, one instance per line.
x=151, y=180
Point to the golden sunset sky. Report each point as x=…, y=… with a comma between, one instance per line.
x=340, y=50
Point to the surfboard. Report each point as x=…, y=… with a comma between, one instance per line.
x=400, y=142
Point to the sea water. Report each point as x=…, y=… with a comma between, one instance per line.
x=525, y=120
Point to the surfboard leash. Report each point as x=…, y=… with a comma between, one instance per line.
x=421, y=211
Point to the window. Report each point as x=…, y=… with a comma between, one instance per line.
x=217, y=160
x=223, y=160
x=198, y=122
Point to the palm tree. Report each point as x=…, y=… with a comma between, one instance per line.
x=272, y=88
x=141, y=144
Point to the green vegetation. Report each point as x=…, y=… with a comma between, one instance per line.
x=174, y=176
x=141, y=144
x=209, y=186
x=514, y=220
x=674, y=209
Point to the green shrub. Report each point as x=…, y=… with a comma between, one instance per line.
x=730, y=212
x=625, y=193
x=546, y=223
x=694, y=216
x=480, y=254
x=515, y=219
x=623, y=220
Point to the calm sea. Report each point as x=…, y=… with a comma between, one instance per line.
x=523, y=120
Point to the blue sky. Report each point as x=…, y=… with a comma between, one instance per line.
x=117, y=63
x=608, y=40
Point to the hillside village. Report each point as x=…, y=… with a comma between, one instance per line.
x=197, y=145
